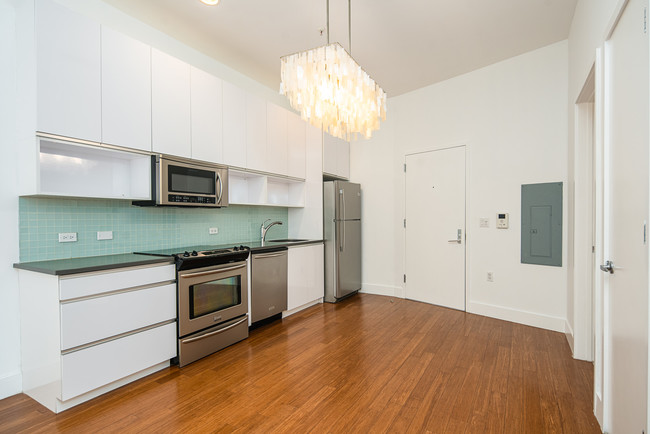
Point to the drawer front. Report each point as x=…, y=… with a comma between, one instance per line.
x=88, y=369
x=90, y=320
x=85, y=285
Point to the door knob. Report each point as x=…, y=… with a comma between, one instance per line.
x=608, y=267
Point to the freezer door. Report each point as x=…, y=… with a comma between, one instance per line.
x=348, y=200
x=348, y=257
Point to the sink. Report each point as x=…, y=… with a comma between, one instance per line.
x=287, y=240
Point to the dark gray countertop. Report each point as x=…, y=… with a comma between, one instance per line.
x=62, y=267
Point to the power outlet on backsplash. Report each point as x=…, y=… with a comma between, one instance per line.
x=67, y=237
x=213, y=231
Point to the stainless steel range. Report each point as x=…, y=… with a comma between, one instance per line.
x=212, y=288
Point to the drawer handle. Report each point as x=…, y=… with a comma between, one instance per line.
x=216, y=270
x=207, y=335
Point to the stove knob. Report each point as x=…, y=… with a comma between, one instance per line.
x=195, y=253
x=236, y=249
x=243, y=247
x=186, y=254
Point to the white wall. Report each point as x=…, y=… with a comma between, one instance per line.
x=512, y=116
x=10, y=377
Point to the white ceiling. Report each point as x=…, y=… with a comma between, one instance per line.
x=403, y=44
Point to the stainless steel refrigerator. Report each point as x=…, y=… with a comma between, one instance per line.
x=342, y=233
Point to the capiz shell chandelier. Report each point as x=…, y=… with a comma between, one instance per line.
x=331, y=91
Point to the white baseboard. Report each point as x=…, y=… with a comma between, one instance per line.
x=391, y=291
x=11, y=384
x=518, y=316
x=286, y=313
x=568, y=332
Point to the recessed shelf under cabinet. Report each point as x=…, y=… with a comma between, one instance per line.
x=76, y=170
x=251, y=188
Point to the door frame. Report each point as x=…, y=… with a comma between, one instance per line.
x=467, y=211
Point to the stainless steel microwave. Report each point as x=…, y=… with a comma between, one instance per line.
x=179, y=182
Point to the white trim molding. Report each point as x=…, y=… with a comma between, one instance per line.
x=11, y=384
x=518, y=316
x=391, y=291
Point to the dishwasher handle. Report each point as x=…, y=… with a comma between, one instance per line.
x=268, y=255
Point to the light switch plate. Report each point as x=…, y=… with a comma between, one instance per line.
x=104, y=235
x=484, y=222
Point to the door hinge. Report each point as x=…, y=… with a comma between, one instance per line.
x=405, y=278
x=404, y=222
x=404, y=167
x=645, y=20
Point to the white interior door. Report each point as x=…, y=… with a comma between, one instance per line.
x=626, y=211
x=435, y=227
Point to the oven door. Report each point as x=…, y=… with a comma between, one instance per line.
x=211, y=295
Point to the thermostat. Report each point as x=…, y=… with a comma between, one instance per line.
x=502, y=221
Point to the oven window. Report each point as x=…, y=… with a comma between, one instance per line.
x=208, y=297
x=194, y=181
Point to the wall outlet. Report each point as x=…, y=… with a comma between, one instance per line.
x=213, y=231
x=490, y=276
x=104, y=235
x=67, y=237
x=484, y=222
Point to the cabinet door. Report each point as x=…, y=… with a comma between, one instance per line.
x=207, y=144
x=330, y=150
x=170, y=103
x=305, y=275
x=276, y=129
x=296, y=145
x=256, y=133
x=68, y=72
x=126, y=91
x=234, y=125
x=343, y=159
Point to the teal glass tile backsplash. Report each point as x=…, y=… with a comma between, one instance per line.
x=134, y=228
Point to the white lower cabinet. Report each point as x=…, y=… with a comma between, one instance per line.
x=96, y=366
x=86, y=334
x=305, y=278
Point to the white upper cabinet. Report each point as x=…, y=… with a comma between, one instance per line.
x=336, y=157
x=68, y=73
x=276, y=128
x=234, y=125
x=170, y=101
x=207, y=139
x=126, y=91
x=256, y=155
x=296, y=145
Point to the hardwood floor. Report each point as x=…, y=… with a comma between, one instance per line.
x=368, y=364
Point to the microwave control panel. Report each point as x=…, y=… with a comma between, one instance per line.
x=183, y=198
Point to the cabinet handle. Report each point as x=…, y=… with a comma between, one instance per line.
x=268, y=255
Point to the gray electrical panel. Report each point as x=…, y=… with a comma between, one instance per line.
x=541, y=224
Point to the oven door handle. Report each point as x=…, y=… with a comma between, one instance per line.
x=218, y=270
x=207, y=335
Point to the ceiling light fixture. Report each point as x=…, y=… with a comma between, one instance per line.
x=210, y=2
x=331, y=91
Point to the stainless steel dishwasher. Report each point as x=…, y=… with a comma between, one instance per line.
x=268, y=283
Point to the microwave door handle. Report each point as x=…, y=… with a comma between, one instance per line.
x=220, y=181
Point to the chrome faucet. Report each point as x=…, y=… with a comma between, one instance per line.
x=264, y=230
